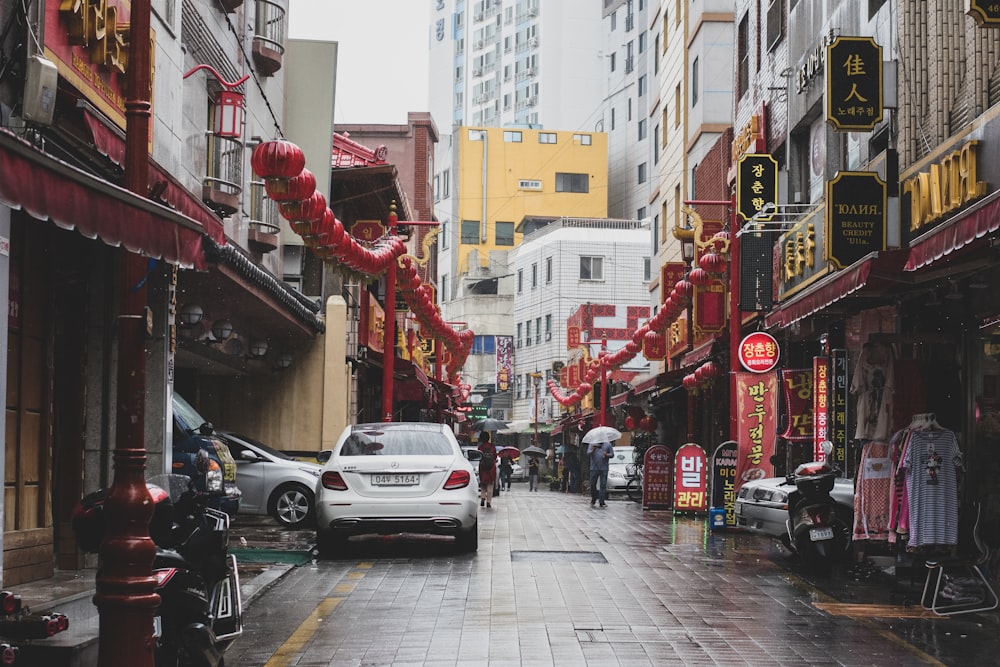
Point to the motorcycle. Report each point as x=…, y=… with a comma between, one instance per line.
x=201, y=611
x=814, y=529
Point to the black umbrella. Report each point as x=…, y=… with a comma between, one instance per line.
x=489, y=424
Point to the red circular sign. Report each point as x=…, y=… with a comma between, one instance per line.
x=759, y=352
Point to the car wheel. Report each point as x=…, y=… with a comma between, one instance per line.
x=292, y=506
x=467, y=541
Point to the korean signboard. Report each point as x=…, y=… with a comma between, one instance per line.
x=657, y=475
x=797, y=384
x=985, y=12
x=756, y=185
x=505, y=362
x=724, y=479
x=756, y=414
x=368, y=230
x=855, y=217
x=821, y=399
x=690, y=479
x=854, y=83
x=839, y=387
x=759, y=352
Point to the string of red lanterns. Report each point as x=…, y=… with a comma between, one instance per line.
x=282, y=166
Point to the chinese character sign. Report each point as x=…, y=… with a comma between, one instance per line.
x=657, y=475
x=505, y=362
x=756, y=414
x=756, y=185
x=821, y=397
x=854, y=83
x=724, y=479
x=690, y=479
x=797, y=384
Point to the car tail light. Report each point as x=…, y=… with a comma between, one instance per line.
x=333, y=481
x=10, y=603
x=164, y=575
x=8, y=654
x=458, y=479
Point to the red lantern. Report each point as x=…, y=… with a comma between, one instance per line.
x=684, y=288
x=277, y=159
x=309, y=210
x=689, y=382
x=699, y=374
x=629, y=423
x=300, y=186
x=699, y=277
x=713, y=262
x=720, y=242
x=711, y=369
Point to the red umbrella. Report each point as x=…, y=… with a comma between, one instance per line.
x=506, y=452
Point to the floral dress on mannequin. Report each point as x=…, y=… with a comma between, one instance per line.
x=873, y=385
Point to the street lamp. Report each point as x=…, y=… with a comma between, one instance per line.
x=537, y=377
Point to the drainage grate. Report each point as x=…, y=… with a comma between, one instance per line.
x=562, y=556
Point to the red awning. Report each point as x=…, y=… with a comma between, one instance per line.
x=982, y=219
x=50, y=189
x=698, y=354
x=835, y=287
x=645, y=385
x=619, y=399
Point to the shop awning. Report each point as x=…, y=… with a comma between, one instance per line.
x=50, y=189
x=645, y=385
x=837, y=286
x=620, y=399
x=698, y=354
x=981, y=219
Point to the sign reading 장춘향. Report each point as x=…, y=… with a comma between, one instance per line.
x=756, y=185
x=855, y=216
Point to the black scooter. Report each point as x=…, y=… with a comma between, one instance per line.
x=815, y=531
x=201, y=612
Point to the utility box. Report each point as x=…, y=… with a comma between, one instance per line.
x=40, y=82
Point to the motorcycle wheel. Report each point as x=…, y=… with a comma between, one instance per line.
x=814, y=560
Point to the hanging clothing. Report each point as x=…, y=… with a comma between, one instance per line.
x=899, y=508
x=872, y=492
x=873, y=383
x=932, y=463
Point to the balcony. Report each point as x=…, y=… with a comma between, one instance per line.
x=264, y=228
x=230, y=5
x=222, y=185
x=268, y=38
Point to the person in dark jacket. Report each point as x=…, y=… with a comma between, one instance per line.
x=487, y=469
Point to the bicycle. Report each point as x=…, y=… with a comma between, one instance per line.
x=633, y=488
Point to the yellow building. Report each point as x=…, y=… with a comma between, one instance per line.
x=505, y=175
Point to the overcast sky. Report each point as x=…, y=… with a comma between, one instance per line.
x=382, y=70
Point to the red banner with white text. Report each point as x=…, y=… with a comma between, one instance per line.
x=757, y=416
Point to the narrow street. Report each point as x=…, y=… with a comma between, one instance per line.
x=558, y=582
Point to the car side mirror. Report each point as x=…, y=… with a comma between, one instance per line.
x=324, y=456
x=249, y=455
x=206, y=429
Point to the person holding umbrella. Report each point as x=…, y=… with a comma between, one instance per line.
x=487, y=469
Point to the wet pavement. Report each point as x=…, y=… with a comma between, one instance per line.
x=557, y=582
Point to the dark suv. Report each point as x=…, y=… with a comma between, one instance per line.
x=214, y=471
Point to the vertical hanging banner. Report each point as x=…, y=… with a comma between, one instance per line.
x=724, y=479
x=757, y=416
x=853, y=84
x=670, y=273
x=690, y=479
x=505, y=362
x=709, y=307
x=657, y=475
x=840, y=386
x=821, y=401
x=797, y=384
x=572, y=337
x=756, y=185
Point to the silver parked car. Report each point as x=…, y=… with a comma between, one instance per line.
x=396, y=477
x=618, y=468
x=273, y=483
x=762, y=504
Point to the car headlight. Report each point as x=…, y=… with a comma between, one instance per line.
x=616, y=475
x=213, y=479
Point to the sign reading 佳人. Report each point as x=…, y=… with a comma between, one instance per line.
x=854, y=83
x=756, y=185
x=855, y=217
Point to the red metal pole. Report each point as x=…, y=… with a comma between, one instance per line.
x=126, y=598
x=389, y=333
x=604, y=381
x=735, y=318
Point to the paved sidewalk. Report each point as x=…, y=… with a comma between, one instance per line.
x=558, y=582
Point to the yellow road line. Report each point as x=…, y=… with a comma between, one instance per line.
x=293, y=645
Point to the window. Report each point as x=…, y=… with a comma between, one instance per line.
x=534, y=276
x=445, y=184
x=527, y=333
x=518, y=383
x=642, y=129
x=775, y=23
x=612, y=61
x=484, y=345
x=694, y=81
x=612, y=118
x=642, y=42
x=572, y=182
x=548, y=270
x=641, y=173
x=743, y=56
x=511, y=136
x=666, y=123
x=546, y=137
x=520, y=283
x=640, y=213
x=629, y=59
x=548, y=327
x=583, y=139
x=477, y=135
x=677, y=106
x=647, y=269
x=505, y=233
x=656, y=232
x=538, y=330
x=656, y=55
x=518, y=334
x=656, y=145
x=642, y=85
x=591, y=268
x=470, y=231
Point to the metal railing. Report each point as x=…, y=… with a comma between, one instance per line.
x=263, y=210
x=269, y=24
x=224, y=171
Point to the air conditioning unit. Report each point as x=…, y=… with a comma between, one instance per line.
x=532, y=11
x=532, y=101
x=533, y=42
x=530, y=71
x=548, y=335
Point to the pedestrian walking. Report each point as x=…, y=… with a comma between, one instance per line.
x=600, y=453
x=571, y=470
x=533, y=473
x=487, y=469
x=506, y=469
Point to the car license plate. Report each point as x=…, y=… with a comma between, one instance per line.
x=395, y=480
x=817, y=534
x=157, y=626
